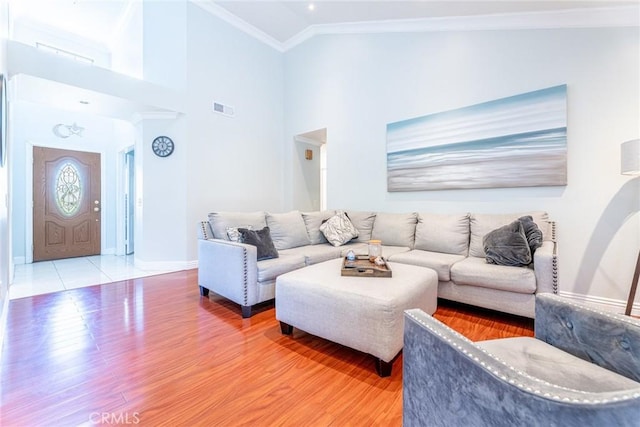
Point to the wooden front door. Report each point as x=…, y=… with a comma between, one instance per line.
x=66, y=203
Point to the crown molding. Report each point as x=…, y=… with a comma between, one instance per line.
x=627, y=16
x=624, y=16
x=228, y=17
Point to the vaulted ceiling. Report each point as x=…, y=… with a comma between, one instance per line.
x=275, y=22
x=98, y=20
x=283, y=20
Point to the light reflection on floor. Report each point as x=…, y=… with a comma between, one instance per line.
x=59, y=275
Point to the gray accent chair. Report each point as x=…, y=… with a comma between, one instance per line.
x=581, y=369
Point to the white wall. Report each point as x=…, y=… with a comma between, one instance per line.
x=5, y=205
x=234, y=163
x=164, y=43
x=127, y=45
x=161, y=202
x=356, y=84
x=161, y=183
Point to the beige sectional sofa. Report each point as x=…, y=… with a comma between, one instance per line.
x=450, y=244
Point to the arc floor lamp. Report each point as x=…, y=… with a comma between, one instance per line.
x=630, y=165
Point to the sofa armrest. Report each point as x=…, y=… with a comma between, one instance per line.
x=229, y=269
x=448, y=380
x=545, y=267
x=609, y=340
x=204, y=230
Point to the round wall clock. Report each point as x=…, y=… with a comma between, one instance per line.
x=162, y=146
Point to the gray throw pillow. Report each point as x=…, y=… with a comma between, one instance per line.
x=261, y=239
x=533, y=233
x=508, y=245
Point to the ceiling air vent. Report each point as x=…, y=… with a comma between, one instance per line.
x=223, y=109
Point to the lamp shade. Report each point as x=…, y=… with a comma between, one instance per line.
x=630, y=157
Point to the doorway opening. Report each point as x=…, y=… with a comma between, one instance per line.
x=314, y=170
x=323, y=177
x=129, y=201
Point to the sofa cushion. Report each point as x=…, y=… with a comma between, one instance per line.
x=313, y=221
x=507, y=245
x=287, y=229
x=363, y=249
x=338, y=229
x=475, y=271
x=221, y=220
x=314, y=254
x=270, y=269
x=358, y=247
x=395, y=229
x=481, y=224
x=438, y=261
x=389, y=251
x=261, y=239
x=363, y=222
x=444, y=233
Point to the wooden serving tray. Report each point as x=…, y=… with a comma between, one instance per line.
x=362, y=267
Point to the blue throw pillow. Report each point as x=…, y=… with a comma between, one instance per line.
x=261, y=239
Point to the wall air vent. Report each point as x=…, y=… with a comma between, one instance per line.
x=223, y=109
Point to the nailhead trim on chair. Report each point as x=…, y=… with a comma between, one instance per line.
x=554, y=273
x=554, y=260
x=207, y=233
x=511, y=381
x=245, y=274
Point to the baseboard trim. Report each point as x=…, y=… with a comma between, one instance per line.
x=605, y=304
x=165, y=265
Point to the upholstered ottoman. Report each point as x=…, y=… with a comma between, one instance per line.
x=364, y=313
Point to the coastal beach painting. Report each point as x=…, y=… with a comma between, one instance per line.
x=519, y=141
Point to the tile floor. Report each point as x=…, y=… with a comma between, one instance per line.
x=59, y=275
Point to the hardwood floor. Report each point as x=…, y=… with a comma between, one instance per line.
x=151, y=351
